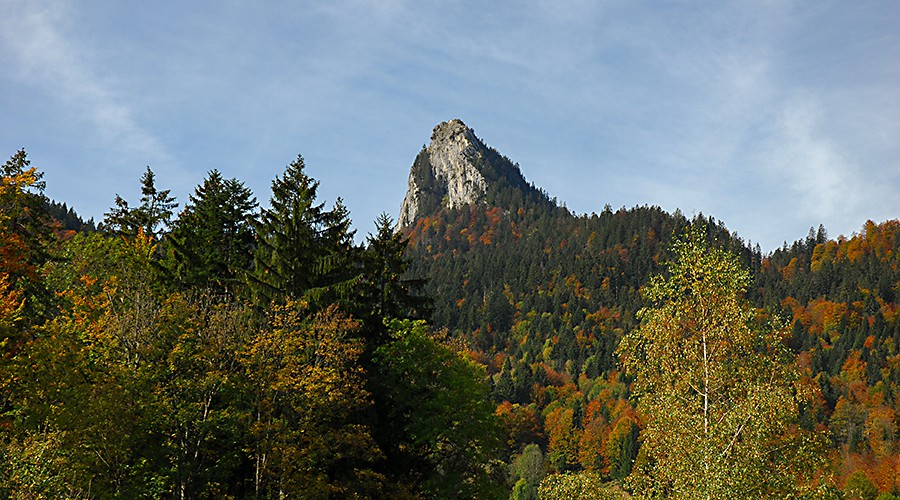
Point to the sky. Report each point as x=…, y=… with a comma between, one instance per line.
x=771, y=116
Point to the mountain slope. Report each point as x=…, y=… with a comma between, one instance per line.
x=543, y=297
x=520, y=275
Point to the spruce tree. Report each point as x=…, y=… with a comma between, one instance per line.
x=386, y=290
x=213, y=239
x=303, y=250
x=151, y=217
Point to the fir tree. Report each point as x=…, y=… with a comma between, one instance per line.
x=151, y=217
x=302, y=249
x=213, y=239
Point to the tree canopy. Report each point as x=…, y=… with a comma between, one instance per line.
x=716, y=387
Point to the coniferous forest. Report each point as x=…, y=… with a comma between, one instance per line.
x=228, y=347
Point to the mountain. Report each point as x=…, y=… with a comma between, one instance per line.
x=458, y=169
x=519, y=275
x=542, y=297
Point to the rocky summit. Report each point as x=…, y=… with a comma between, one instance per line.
x=446, y=170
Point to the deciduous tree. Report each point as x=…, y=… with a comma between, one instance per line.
x=715, y=387
x=438, y=429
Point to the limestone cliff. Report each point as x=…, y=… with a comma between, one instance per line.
x=445, y=173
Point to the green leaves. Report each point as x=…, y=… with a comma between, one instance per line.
x=439, y=422
x=715, y=387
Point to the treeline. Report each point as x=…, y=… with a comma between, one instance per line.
x=545, y=297
x=226, y=351
x=231, y=351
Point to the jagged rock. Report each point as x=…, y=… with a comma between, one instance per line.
x=458, y=169
x=449, y=171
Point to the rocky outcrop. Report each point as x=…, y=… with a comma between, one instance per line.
x=447, y=170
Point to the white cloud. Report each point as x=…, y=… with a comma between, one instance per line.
x=820, y=181
x=32, y=34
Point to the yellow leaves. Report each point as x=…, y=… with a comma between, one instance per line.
x=580, y=486
x=562, y=449
x=715, y=385
x=309, y=386
x=309, y=359
x=11, y=305
x=19, y=181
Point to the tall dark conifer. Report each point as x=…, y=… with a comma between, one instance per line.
x=386, y=292
x=302, y=248
x=151, y=217
x=386, y=250
x=213, y=239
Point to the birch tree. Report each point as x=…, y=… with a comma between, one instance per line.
x=715, y=385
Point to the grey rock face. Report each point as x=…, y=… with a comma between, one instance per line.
x=453, y=154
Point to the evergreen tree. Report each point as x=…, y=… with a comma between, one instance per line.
x=302, y=248
x=385, y=290
x=151, y=217
x=213, y=238
x=68, y=218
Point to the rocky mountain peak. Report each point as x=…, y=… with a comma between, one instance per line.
x=457, y=169
x=446, y=171
x=452, y=130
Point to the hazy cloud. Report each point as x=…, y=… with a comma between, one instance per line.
x=772, y=116
x=32, y=34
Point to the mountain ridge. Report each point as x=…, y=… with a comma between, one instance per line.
x=542, y=298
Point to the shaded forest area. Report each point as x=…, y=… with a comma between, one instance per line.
x=226, y=352
x=231, y=351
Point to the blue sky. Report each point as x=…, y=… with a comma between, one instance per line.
x=773, y=116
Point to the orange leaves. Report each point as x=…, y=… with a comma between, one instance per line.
x=877, y=239
x=562, y=449
x=521, y=423
x=827, y=315
x=590, y=447
x=790, y=271
x=11, y=304
x=13, y=256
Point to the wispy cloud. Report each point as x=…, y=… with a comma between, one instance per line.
x=773, y=116
x=821, y=182
x=32, y=34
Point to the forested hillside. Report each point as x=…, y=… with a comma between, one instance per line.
x=544, y=297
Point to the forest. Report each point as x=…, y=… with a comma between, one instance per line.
x=505, y=349
x=545, y=298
